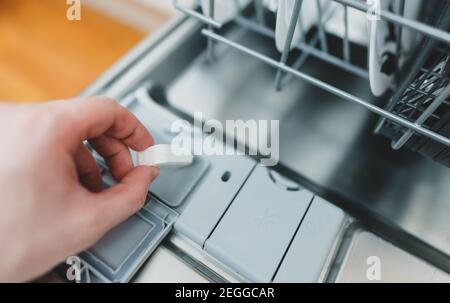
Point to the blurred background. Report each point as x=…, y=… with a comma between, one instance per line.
x=44, y=56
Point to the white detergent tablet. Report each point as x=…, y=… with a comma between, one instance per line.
x=163, y=156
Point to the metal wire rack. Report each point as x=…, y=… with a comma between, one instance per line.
x=420, y=101
x=425, y=100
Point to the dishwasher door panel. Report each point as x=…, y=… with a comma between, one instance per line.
x=213, y=196
x=256, y=230
x=308, y=254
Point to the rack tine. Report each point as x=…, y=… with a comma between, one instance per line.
x=300, y=61
x=323, y=38
x=425, y=115
x=210, y=43
x=196, y=15
x=302, y=30
x=309, y=49
x=288, y=42
x=346, y=40
x=412, y=89
x=88, y=275
x=399, y=31
x=259, y=12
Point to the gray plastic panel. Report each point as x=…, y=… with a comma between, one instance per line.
x=112, y=252
x=143, y=109
x=172, y=185
x=120, y=253
x=255, y=232
x=90, y=275
x=312, y=244
x=211, y=198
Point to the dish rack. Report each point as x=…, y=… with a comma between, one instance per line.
x=417, y=115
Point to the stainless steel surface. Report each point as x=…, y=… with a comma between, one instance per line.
x=165, y=267
x=195, y=256
x=370, y=259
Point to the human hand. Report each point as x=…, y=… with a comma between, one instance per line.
x=52, y=204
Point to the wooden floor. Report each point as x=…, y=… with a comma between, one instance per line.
x=43, y=56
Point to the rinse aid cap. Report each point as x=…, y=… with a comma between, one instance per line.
x=163, y=155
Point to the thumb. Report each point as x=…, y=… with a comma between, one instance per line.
x=121, y=201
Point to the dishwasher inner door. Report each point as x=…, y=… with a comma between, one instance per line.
x=326, y=145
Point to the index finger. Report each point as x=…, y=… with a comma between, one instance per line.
x=92, y=117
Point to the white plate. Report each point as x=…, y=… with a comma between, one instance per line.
x=224, y=10
x=382, y=45
x=357, y=25
x=271, y=5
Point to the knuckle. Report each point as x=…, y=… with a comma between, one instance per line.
x=106, y=102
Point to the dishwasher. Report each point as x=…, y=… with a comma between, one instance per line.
x=364, y=160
